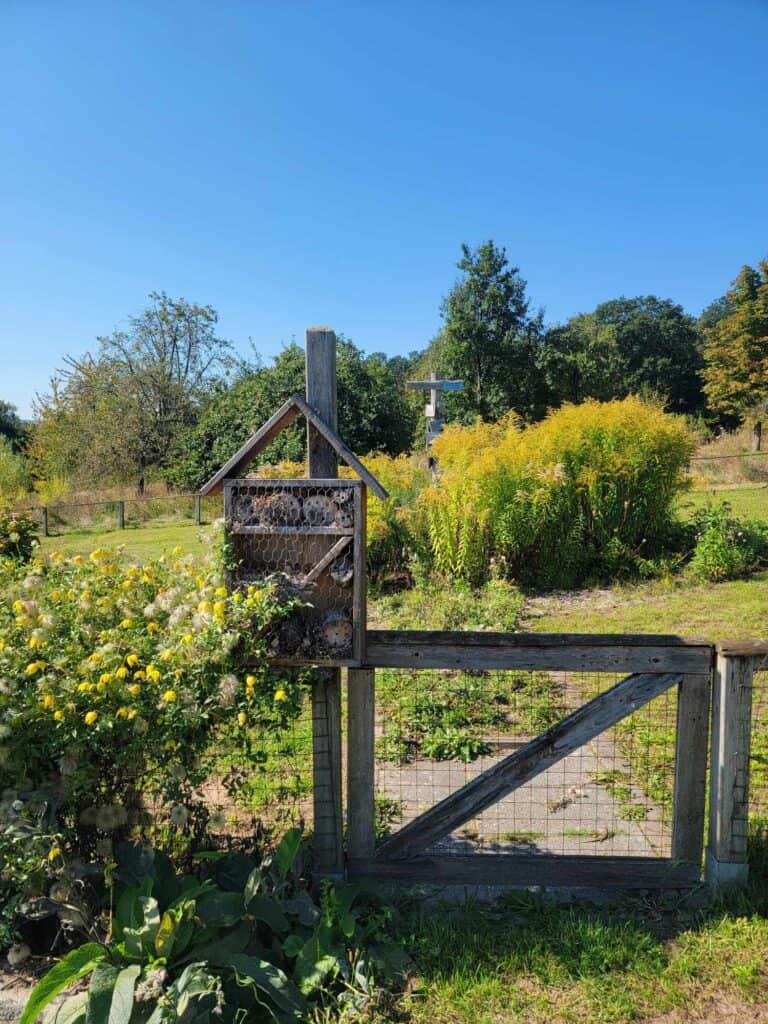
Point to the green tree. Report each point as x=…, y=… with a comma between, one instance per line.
x=643, y=345
x=115, y=416
x=373, y=413
x=11, y=426
x=736, y=347
x=489, y=339
x=14, y=474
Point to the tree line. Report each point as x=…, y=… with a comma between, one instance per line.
x=168, y=398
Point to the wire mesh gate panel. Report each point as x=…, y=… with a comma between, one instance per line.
x=540, y=776
x=310, y=535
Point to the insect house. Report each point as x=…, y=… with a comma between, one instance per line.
x=307, y=534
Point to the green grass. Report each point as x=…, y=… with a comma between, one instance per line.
x=528, y=960
x=140, y=542
x=749, y=501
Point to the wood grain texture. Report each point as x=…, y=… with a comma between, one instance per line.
x=361, y=710
x=570, y=733
x=691, y=750
x=729, y=774
x=565, y=652
x=525, y=870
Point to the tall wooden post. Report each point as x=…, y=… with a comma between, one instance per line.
x=198, y=510
x=121, y=515
x=729, y=773
x=326, y=692
x=44, y=521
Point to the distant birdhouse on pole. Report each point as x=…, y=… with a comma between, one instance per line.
x=434, y=410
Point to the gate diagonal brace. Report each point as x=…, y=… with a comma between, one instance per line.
x=530, y=760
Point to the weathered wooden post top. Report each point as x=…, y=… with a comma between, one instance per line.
x=307, y=533
x=434, y=410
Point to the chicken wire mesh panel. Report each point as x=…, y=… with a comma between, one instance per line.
x=436, y=731
x=243, y=791
x=309, y=536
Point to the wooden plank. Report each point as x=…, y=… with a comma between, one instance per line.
x=525, y=870
x=360, y=571
x=361, y=709
x=755, y=648
x=326, y=560
x=327, y=841
x=546, y=651
x=285, y=415
x=729, y=772
x=691, y=750
x=535, y=757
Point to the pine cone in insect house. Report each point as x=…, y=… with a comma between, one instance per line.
x=279, y=509
x=319, y=510
x=342, y=571
x=336, y=631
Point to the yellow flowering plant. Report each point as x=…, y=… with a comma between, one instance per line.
x=116, y=680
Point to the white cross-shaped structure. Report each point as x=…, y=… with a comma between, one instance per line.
x=434, y=409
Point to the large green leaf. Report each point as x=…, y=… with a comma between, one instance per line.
x=140, y=941
x=76, y=964
x=221, y=908
x=264, y=908
x=100, y=993
x=286, y=851
x=217, y=951
x=166, y=934
x=71, y=1011
x=271, y=982
x=232, y=872
x=122, y=997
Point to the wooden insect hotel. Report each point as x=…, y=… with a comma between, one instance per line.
x=309, y=535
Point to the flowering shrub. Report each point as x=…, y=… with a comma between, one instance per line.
x=588, y=491
x=115, y=679
x=18, y=535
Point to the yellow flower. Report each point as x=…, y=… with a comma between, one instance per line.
x=242, y=718
x=35, y=641
x=121, y=673
x=146, y=578
x=131, y=714
x=153, y=674
x=58, y=715
x=187, y=638
x=101, y=686
x=281, y=695
x=34, y=667
x=54, y=852
x=126, y=623
x=132, y=659
x=105, y=677
x=169, y=745
x=91, y=717
x=95, y=658
x=2, y=645
x=134, y=689
x=97, y=555
x=221, y=591
x=56, y=595
x=152, y=627
x=140, y=674
x=177, y=550
x=237, y=598
x=121, y=713
x=169, y=696
x=84, y=687
x=48, y=701
x=205, y=606
x=165, y=655
x=126, y=584
x=250, y=681
x=18, y=606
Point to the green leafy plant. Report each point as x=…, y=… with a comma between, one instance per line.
x=726, y=547
x=244, y=942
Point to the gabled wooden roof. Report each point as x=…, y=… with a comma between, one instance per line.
x=295, y=406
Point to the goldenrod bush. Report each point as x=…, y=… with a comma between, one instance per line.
x=588, y=492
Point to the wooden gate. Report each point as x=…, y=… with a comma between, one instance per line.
x=651, y=665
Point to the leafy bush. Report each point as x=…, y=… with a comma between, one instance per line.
x=18, y=535
x=248, y=942
x=14, y=472
x=115, y=680
x=726, y=548
x=588, y=492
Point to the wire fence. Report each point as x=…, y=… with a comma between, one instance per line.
x=124, y=513
x=436, y=731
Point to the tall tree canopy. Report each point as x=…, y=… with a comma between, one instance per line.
x=736, y=347
x=642, y=345
x=489, y=339
x=115, y=415
x=373, y=413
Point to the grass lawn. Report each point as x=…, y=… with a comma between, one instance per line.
x=749, y=501
x=140, y=542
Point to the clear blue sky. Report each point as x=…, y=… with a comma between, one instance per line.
x=310, y=162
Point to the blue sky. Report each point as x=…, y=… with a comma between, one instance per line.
x=294, y=162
